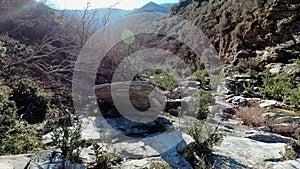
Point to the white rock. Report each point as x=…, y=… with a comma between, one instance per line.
x=267, y=103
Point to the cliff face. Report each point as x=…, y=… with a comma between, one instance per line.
x=240, y=29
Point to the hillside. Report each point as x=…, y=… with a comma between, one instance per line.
x=197, y=84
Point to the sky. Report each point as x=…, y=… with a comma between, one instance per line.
x=121, y=4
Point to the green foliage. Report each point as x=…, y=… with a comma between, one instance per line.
x=16, y=136
x=297, y=63
x=249, y=66
x=200, y=76
x=281, y=87
x=205, y=99
x=20, y=139
x=165, y=81
x=68, y=140
x=216, y=79
x=205, y=138
x=103, y=160
x=8, y=108
x=290, y=149
x=159, y=165
x=31, y=101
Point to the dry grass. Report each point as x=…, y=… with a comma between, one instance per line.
x=251, y=116
x=287, y=130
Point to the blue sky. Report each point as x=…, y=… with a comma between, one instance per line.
x=122, y=4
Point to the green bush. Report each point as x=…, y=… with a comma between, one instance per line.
x=8, y=108
x=16, y=136
x=281, y=87
x=200, y=76
x=291, y=148
x=32, y=102
x=205, y=138
x=165, y=82
x=20, y=139
x=68, y=140
x=205, y=99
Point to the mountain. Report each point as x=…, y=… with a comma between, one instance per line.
x=167, y=5
x=152, y=7
x=118, y=13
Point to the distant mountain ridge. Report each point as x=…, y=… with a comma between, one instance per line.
x=151, y=7
x=116, y=13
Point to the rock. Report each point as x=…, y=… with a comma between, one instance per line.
x=241, y=76
x=184, y=91
x=270, y=115
x=268, y=103
x=172, y=104
x=47, y=138
x=264, y=128
x=173, y=112
x=289, y=164
x=51, y=159
x=249, y=152
x=133, y=149
x=238, y=100
x=287, y=119
x=251, y=94
x=190, y=83
x=142, y=95
x=14, y=161
x=223, y=89
x=269, y=137
x=275, y=68
x=140, y=163
x=134, y=129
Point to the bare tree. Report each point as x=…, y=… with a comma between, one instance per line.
x=83, y=23
x=55, y=54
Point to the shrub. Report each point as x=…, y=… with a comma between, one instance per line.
x=20, y=139
x=200, y=76
x=32, y=102
x=103, y=160
x=8, y=108
x=205, y=138
x=277, y=87
x=291, y=148
x=68, y=140
x=294, y=98
x=205, y=99
x=165, y=82
x=250, y=116
x=281, y=87
x=159, y=165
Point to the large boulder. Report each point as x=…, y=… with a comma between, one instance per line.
x=125, y=96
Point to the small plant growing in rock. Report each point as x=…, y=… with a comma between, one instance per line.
x=205, y=138
x=159, y=165
x=68, y=140
x=205, y=99
x=291, y=148
x=201, y=76
x=103, y=160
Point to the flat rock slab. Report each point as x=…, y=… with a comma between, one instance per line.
x=14, y=162
x=249, y=152
x=290, y=164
